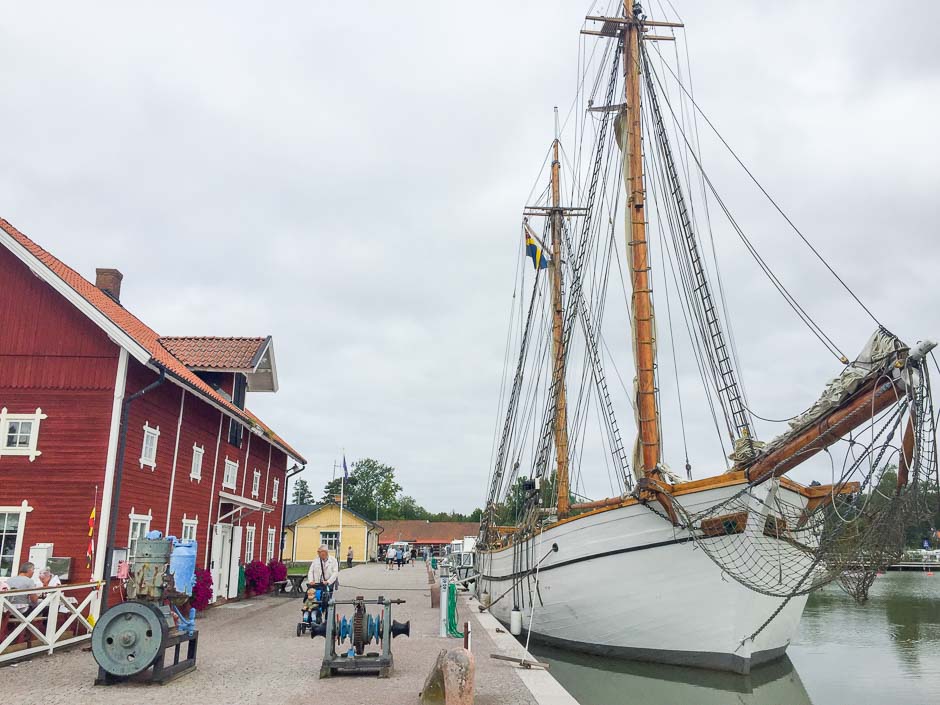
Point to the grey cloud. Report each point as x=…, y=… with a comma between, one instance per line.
x=350, y=179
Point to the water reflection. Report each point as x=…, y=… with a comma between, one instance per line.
x=903, y=611
x=885, y=651
x=599, y=681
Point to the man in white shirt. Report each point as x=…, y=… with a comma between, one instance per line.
x=323, y=570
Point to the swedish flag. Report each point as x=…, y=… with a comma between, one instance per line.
x=535, y=250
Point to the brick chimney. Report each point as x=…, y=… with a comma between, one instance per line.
x=109, y=281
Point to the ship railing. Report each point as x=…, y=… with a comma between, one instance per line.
x=62, y=616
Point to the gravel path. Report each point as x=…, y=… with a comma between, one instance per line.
x=249, y=653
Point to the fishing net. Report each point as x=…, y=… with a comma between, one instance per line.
x=777, y=541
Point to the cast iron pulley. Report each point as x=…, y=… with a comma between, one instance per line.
x=128, y=637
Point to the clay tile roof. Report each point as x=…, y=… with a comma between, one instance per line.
x=216, y=353
x=140, y=332
x=420, y=531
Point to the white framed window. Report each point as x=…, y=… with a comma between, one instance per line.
x=249, y=543
x=230, y=474
x=148, y=451
x=330, y=539
x=140, y=525
x=255, y=483
x=19, y=433
x=195, y=470
x=270, y=551
x=274, y=490
x=12, y=528
x=190, y=527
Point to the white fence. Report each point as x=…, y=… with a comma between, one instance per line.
x=60, y=617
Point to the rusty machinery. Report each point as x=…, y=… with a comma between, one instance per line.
x=135, y=635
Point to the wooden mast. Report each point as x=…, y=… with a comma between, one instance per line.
x=643, y=329
x=558, y=343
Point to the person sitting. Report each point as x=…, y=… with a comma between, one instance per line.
x=47, y=579
x=311, y=606
x=23, y=581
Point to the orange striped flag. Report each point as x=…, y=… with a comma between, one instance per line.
x=91, y=541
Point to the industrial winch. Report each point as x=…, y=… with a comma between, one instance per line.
x=359, y=631
x=134, y=635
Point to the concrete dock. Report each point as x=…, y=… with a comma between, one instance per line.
x=249, y=653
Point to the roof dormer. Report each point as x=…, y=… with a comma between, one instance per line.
x=251, y=357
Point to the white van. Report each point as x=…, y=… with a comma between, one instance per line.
x=401, y=546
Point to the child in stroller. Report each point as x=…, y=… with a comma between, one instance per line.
x=315, y=603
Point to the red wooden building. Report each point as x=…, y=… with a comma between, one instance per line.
x=196, y=463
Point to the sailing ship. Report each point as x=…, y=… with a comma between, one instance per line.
x=711, y=572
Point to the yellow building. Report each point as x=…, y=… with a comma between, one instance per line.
x=307, y=526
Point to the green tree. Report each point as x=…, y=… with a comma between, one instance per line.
x=302, y=493
x=510, y=511
x=408, y=508
x=371, y=488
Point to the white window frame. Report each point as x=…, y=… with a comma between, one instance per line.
x=190, y=527
x=21, y=509
x=149, y=432
x=330, y=539
x=249, y=543
x=275, y=489
x=232, y=465
x=255, y=483
x=270, y=549
x=139, y=520
x=195, y=469
x=31, y=450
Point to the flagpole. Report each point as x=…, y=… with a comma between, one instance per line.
x=342, y=501
x=342, y=498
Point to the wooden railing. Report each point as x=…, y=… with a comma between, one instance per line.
x=60, y=617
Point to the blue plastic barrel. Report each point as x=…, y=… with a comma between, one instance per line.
x=183, y=566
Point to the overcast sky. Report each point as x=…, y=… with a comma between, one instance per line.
x=349, y=177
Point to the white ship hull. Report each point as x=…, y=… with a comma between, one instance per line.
x=625, y=583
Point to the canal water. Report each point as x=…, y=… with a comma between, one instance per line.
x=885, y=651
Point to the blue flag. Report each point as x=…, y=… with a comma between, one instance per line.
x=535, y=250
x=345, y=470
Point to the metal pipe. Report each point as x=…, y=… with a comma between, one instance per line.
x=118, y=477
x=280, y=539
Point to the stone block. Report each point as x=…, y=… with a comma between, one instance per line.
x=451, y=681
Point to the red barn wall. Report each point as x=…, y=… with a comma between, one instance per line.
x=52, y=357
x=147, y=491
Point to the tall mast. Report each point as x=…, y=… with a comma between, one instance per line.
x=643, y=328
x=558, y=343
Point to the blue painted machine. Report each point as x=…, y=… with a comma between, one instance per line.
x=359, y=631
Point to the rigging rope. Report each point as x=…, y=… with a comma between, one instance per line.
x=775, y=204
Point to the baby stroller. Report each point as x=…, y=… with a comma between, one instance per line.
x=316, y=600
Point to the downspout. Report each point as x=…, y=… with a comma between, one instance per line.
x=280, y=537
x=118, y=477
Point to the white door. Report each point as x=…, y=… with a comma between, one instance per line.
x=233, y=565
x=220, y=553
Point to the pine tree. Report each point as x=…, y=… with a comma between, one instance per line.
x=302, y=493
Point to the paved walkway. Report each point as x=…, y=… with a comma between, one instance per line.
x=249, y=653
